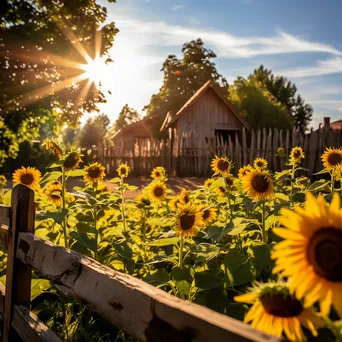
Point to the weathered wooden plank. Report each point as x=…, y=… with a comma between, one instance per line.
x=18, y=274
x=145, y=312
x=4, y=238
x=5, y=215
x=27, y=324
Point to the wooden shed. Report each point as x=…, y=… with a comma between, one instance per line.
x=207, y=114
x=125, y=139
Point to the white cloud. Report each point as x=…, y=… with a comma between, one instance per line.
x=340, y=109
x=225, y=44
x=177, y=7
x=322, y=67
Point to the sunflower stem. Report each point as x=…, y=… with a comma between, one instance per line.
x=181, y=247
x=63, y=203
x=292, y=182
x=332, y=182
x=263, y=228
x=123, y=205
x=95, y=220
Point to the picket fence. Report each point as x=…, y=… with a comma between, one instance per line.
x=189, y=156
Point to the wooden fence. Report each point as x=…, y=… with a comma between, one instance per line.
x=187, y=155
x=143, y=311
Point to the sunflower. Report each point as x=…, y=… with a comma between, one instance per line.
x=95, y=173
x=208, y=214
x=296, y=155
x=221, y=165
x=52, y=146
x=229, y=180
x=276, y=311
x=158, y=173
x=158, y=191
x=244, y=170
x=260, y=163
x=29, y=176
x=280, y=152
x=123, y=170
x=143, y=199
x=174, y=203
x=189, y=220
x=208, y=183
x=72, y=161
x=331, y=157
x=311, y=252
x=54, y=193
x=258, y=185
x=337, y=172
x=184, y=196
x=221, y=191
x=3, y=181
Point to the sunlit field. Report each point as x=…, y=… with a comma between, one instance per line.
x=260, y=247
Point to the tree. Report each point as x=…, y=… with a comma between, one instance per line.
x=93, y=132
x=258, y=105
x=183, y=77
x=127, y=116
x=43, y=45
x=286, y=93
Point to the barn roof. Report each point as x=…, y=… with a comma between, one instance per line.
x=147, y=124
x=194, y=98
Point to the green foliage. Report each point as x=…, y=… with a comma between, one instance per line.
x=127, y=116
x=286, y=93
x=259, y=107
x=183, y=77
x=39, y=60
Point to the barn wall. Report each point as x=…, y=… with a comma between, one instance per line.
x=207, y=114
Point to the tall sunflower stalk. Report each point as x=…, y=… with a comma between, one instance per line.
x=296, y=156
x=123, y=171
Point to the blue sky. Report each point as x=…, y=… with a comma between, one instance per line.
x=299, y=39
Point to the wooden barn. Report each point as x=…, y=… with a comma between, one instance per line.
x=125, y=139
x=207, y=115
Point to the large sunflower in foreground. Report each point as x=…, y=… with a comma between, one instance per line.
x=123, y=170
x=296, y=155
x=28, y=176
x=277, y=312
x=189, y=220
x=221, y=165
x=331, y=157
x=244, y=170
x=158, y=191
x=158, y=173
x=95, y=173
x=260, y=163
x=258, y=185
x=54, y=193
x=311, y=253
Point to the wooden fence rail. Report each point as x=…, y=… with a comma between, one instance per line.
x=189, y=155
x=145, y=312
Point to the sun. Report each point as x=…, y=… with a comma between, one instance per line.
x=96, y=70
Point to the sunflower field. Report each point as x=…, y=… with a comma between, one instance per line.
x=262, y=247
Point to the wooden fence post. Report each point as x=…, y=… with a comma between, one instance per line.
x=18, y=275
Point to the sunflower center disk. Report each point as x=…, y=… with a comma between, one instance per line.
x=222, y=165
x=205, y=214
x=324, y=253
x=187, y=221
x=27, y=179
x=334, y=158
x=296, y=154
x=277, y=304
x=158, y=192
x=260, y=183
x=94, y=173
